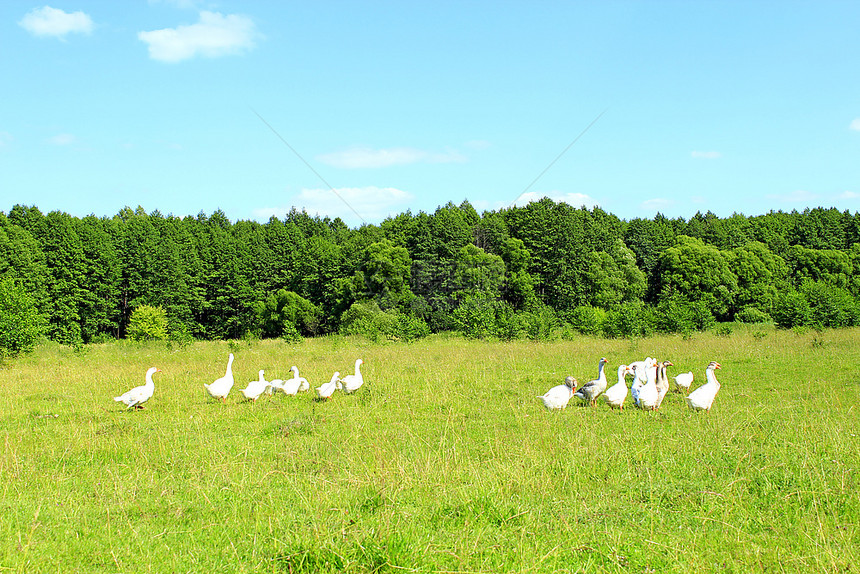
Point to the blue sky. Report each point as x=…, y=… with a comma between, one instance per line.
x=186, y=106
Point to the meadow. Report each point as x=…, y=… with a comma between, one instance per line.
x=443, y=462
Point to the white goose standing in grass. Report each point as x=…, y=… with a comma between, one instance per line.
x=683, y=382
x=703, y=398
x=303, y=382
x=648, y=393
x=220, y=388
x=274, y=385
x=291, y=386
x=557, y=397
x=326, y=390
x=617, y=393
x=139, y=395
x=352, y=383
x=593, y=389
x=256, y=388
x=640, y=368
x=662, y=382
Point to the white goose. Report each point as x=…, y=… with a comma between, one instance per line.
x=703, y=398
x=291, y=386
x=639, y=376
x=303, y=382
x=352, y=383
x=617, y=393
x=662, y=382
x=593, y=389
x=683, y=382
x=557, y=397
x=648, y=393
x=326, y=390
x=274, y=385
x=139, y=395
x=256, y=388
x=220, y=388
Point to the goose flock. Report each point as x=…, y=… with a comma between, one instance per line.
x=648, y=388
x=220, y=388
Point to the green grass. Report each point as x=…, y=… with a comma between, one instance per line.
x=443, y=462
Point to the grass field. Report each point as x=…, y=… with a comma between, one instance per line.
x=443, y=462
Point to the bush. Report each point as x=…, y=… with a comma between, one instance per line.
x=147, y=323
x=283, y=312
x=21, y=324
x=366, y=318
x=677, y=315
x=829, y=306
x=792, y=310
x=291, y=335
x=723, y=330
x=481, y=316
x=631, y=319
x=539, y=323
x=752, y=315
x=588, y=320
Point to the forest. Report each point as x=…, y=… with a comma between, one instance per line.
x=522, y=272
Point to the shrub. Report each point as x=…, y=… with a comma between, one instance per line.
x=752, y=315
x=678, y=315
x=829, y=306
x=291, y=335
x=539, y=323
x=481, y=316
x=792, y=310
x=283, y=312
x=588, y=320
x=366, y=318
x=631, y=319
x=21, y=324
x=147, y=323
x=723, y=330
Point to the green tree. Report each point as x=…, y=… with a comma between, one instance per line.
x=477, y=271
x=284, y=312
x=64, y=257
x=21, y=324
x=386, y=270
x=761, y=276
x=829, y=265
x=697, y=272
x=100, y=290
x=147, y=323
x=612, y=277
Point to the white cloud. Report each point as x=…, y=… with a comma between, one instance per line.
x=849, y=195
x=49, y=21
x=855, y=124
x=213, y=36
x=363, y=157
x=62, y=139
x=372, y=203
x=572, y=199
x=706, y=154
x=5, y=139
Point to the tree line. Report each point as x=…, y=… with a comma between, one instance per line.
x=520, y=271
